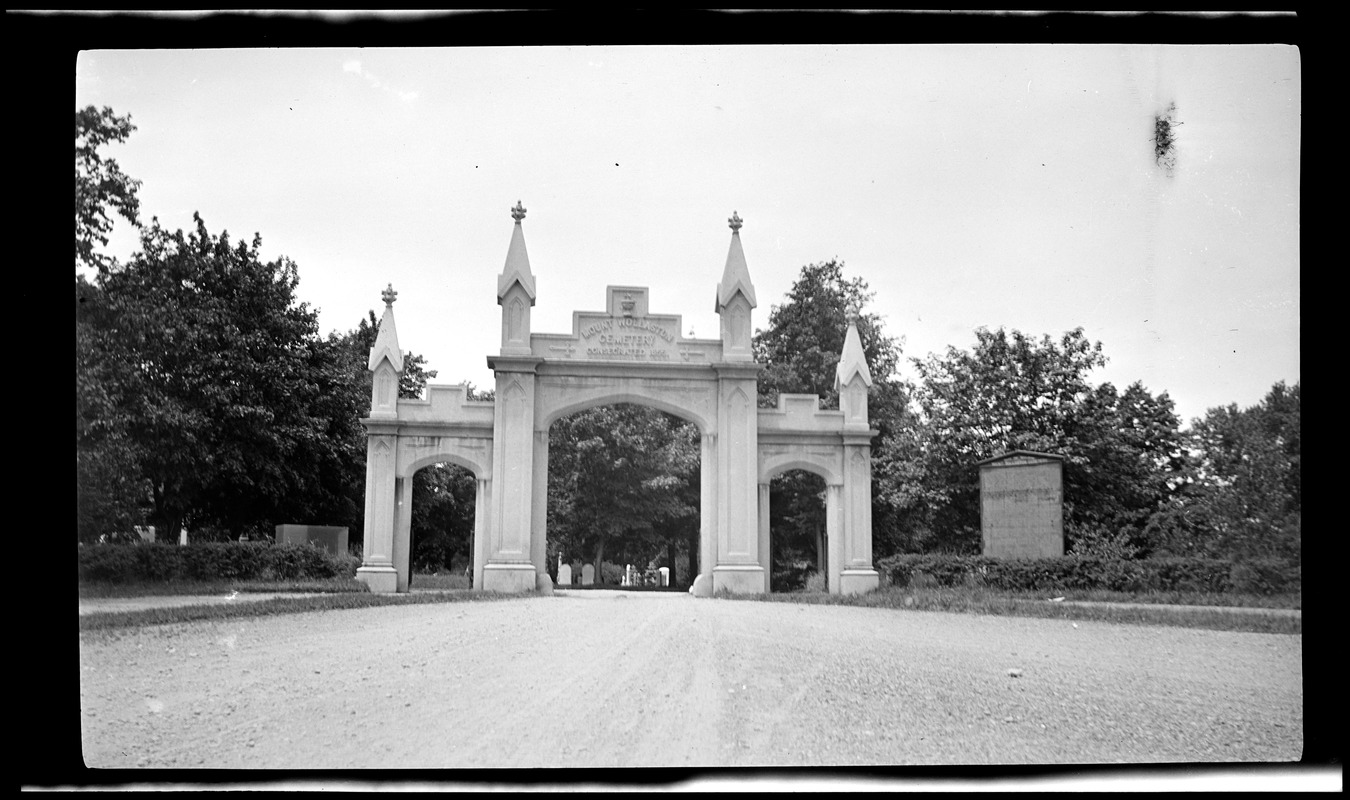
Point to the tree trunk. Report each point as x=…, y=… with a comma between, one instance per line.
x=670, y=559
x=599, y=559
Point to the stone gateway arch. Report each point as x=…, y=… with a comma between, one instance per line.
x=623, y=354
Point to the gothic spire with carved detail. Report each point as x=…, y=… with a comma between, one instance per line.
x=517, y=269
x=852, y=362
x=736, y=275
x=386, y=340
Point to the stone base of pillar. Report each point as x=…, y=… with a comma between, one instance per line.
x=738, y=578
x=543, y=583
x=857, y=581
x=509, y=578
x=380, y=579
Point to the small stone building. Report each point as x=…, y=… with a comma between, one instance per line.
x=1022, y=505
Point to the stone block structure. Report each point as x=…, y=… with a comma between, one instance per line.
x=1022, y=505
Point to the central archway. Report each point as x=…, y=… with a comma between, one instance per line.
x=623, y=487
x=700, y=387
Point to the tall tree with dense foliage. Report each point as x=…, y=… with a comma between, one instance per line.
x=800, y=348
x=216, y=377
x=100, y=184
x=623, y=483
x=1015, y=392
x=109, y=489
x=1240, y=495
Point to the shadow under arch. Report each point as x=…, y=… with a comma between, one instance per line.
x=797, y=505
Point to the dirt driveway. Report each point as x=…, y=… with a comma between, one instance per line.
x=644, y=679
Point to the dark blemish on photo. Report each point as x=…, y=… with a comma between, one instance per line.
x=1164, y=138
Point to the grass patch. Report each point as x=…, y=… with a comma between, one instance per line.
x=1027, y=604
x=104, y=589
x=334, y=601
x=1292, y=600
x=441, y=581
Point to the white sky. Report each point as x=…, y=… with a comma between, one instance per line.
x=970, y=185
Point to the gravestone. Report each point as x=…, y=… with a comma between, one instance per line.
x=665, y=575
x=587, y=574
x=1022, y=505
x=332, y=538
x=565, y=575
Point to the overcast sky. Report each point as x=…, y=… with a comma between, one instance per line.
x=969, y=185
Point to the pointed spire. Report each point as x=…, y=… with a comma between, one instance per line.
x=736, y=275
x=852, y=361
x=386, y=341
x=517, y=269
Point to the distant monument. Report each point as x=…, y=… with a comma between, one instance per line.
x=1022, y=505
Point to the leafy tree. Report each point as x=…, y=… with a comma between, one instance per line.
x=217, y=381
x=1014, y=392
x=109, y=491
x=1240, y=493
x=801, y=346
x=800, y=350
x=100, y=184
x=623, y=484
x=442, y=517
x=797, y=523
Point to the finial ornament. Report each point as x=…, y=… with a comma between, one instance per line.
x=852, y=315
x=389, y=295
x=518, y=213
x=736, y=222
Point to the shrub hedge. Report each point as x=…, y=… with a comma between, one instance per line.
x=1257, y=576
x=210, y=561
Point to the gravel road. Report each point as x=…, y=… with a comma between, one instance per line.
x=612, y=679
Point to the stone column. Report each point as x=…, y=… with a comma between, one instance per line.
x=834, y=535
x=539, y=510
x=738, y=569
x=482, y=512
x=510, y=566
x=765, y=553
x=377, y=562
x=707, y=516
x=403, y=532
x=857, y=574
